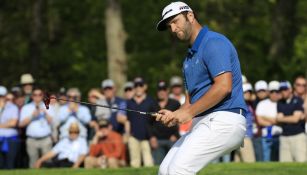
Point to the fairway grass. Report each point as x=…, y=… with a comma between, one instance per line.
x=213, y=169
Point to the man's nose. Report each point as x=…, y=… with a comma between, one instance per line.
x=173, y=27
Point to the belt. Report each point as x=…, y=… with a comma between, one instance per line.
x=39, y=138
x=236, y=110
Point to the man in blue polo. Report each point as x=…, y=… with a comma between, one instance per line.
x=214, y=98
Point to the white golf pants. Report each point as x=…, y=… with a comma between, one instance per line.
x=211, y=136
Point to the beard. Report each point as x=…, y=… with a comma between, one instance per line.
x=184, y=34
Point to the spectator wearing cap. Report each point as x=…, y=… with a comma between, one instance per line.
x=256, y=128
x=128, y=90
x=163, y=137
x=27, y=84
x=176, y=93
x=74, y=113
x=290, y=116
x=68, y=152
x=116, y=117
x=107, y=149
x=38, y=123
x=140, y=125
x=247, y=154
x=266, y=112
x=9, y=144
x=261, y=89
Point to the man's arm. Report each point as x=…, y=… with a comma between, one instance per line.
x=295, y=118
x=79, y=161
x=45, y=157
x=221, y=87
x=266, y=121
x=9, y=124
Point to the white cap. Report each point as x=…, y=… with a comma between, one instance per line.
x=26, y=79
x=247, y=87
x=128, y=84
x=274, y=86
x=244, y=79
x=3, y=91
x=176, y=81
x=107, y=83
x=170, y=10
x=261, y=85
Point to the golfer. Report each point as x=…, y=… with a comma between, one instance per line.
x=214, y=98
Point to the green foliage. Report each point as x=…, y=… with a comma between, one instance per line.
x=72, y=47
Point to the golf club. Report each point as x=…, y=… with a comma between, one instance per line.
x=47, y=99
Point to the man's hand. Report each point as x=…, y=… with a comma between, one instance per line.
x=279, y=117
x=170, y=118
x=38, y=164
x=154, y=142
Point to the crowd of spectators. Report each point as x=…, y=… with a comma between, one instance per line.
x=69, y=134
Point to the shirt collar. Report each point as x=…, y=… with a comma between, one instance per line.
x=197, y=41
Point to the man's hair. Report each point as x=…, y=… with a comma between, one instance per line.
x=74, y=90
x=186, y=15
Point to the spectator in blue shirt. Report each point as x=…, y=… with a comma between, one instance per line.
x=9, y=143
x=140, y=125
x=290, y=116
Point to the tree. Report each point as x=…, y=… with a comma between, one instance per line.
x=115, y=38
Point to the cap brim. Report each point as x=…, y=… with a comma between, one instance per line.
x=161, y=26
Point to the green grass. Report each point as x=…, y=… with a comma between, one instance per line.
x=213, y=169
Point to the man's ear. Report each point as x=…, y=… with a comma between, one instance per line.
x=191, y=17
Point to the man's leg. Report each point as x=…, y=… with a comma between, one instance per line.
x=285, y=153
x=213, y=136
x=33, y=151
x=135, y=152
x=113, y=162
x=146, y=153
x=298, y=150
x=91, y=162
x=247, y=152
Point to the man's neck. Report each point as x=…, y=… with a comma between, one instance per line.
x=139, y=98
x=195, y=31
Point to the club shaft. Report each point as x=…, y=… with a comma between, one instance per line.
x=92, y=104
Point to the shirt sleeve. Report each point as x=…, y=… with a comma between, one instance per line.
x=25, y=112
x=122, y=105
x=259, y=109
x=84, y=114
x=58, y=147
x=217, y=56
x=299, y=106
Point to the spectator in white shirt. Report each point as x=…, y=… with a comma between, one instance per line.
x=38, y=123
x=69, y=152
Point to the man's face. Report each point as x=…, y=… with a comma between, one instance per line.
x=140, y=89
x=27, y=88
x=162, y=94
x=181, y=26
x=248, y=95
x=73, y=134
x=262, y=94
x=286, y=93
x=300, y=86
x=109, y=92
x=37, y=96
x=73, y=96
x=274, y=95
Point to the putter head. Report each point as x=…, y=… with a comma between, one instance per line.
x=153, y=114
x=46, y=100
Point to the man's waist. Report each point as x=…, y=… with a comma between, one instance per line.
x=40, y=137
x=233, y=110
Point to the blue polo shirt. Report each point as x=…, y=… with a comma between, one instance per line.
x=213, y=54
x=141, y=125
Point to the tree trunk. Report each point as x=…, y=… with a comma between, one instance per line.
x=116, y=38
x=36, y=27
x=283, y=32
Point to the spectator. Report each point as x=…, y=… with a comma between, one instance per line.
x=9, y=143
x=128, y=90
x=74, y=113
x=27, y=83
x=69, y=152
x=177, y=94
x=163, y=137
x=107, y=148
x=266, y=112
x=290, y=116
x=116, y=117
x=62, y=95
x=300, y=87
x=138, y=142
x=261, y=88
x=37, y=121
x=247, y=154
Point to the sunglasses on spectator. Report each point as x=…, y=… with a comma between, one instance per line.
x=108, y=88
x=300, y=85
x=274, y=91
x=138, y=85
x=92, y=96
x=162, y=89
x=38, y=95
x=128, y=89
x=73, y=132
x=72, y=96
